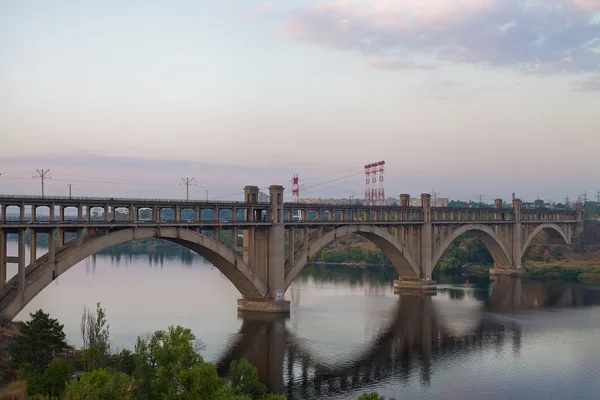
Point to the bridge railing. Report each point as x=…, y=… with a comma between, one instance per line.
x=121, y=199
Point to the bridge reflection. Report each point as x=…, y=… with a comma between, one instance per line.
x=423, y=334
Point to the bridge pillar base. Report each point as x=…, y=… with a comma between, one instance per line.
x=415, y=286
x=266, y=306
x=511, y=271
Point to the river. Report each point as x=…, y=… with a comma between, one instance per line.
x=348, y=333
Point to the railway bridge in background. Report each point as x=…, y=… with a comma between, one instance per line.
x=271, y=241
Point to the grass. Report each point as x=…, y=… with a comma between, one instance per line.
x=560, y=272
x=14, y=390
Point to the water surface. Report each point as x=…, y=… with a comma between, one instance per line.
x=348, y=332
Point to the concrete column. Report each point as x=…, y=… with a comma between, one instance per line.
x=79, y=236
x=33, y=213
x=197, y=213
x=132, y=216
x=88, y=215
x=21, y=260
x=517, y=234
x=234, y=214
x=51, y=248
x=3, y=213
x=61, y=213
x=80, y=213
x=106, y=213
x=251, y=194
x=426, y=234
x=52, y=211
x=32, y=246
x=216, y=214
x=404, y=200
x=22, y=212
x=276, y=245
x=305, y=237
x=61, y=237
x=234, y=235
x=2, y=257
x=291, y=248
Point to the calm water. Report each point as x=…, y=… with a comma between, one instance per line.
x=348, y=333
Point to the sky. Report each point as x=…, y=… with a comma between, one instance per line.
x=459, y=97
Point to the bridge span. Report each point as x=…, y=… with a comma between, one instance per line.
x=271, y=242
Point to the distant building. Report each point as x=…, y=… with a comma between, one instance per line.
x=263, y=197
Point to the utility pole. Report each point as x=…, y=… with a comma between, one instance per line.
x=187, y=182
x=597, y=197
x=206, y=190
x=481, y=197
x=69, y=184
x=42, y=174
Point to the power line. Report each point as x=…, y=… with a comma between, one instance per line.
x=42, y=174
x=187, y=182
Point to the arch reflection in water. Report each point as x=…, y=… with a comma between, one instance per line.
x=422, y=338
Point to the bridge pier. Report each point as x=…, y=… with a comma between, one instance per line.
x=3, y=274
x=267, y=255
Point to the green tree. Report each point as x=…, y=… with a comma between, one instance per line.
x=168, y=363
x=101, y=384
x=33, y=348
x=52, y=382
x=372, y=396
x=96, y=337
x=245, y=380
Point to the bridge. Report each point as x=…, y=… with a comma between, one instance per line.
x=270, y=242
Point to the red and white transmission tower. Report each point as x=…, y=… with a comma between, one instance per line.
x=381, y=193
x=367, y=185
x=295, y=189
x=374, y=193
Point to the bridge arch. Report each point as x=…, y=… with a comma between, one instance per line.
x=554, y=232
x=402, y=261
x=488, y=237
x=41, y=274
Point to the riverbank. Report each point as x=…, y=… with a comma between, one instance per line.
x=583, y=273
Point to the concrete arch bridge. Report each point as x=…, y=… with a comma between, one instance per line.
x=269, y=244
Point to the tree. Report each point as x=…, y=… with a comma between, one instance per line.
x=245, y=381
x=372, y=396
x=101, y=384
x=168, y=363
x=52, y=382
x=96, y=337
x=33, y=348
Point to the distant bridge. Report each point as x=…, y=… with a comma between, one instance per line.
x=275, y=242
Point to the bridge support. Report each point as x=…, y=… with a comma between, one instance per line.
x=267, y=254
x=2, y=258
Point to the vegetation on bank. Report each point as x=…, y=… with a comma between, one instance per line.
x=164, y=365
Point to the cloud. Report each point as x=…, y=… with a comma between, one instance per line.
x=546, y=36
x=590, y=84
x=386, y=64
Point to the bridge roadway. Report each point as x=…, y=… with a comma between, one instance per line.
x=277, y=239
